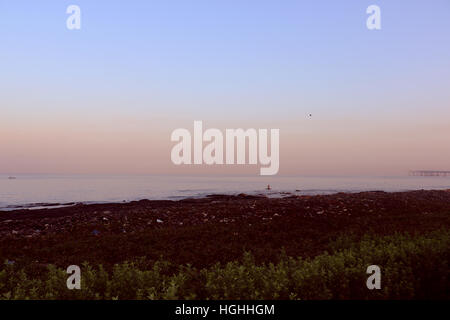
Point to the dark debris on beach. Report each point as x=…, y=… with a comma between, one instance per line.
x=217, y=228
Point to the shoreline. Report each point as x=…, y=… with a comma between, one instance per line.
x=233, y=211
x=270, y=195
x=37, y=210
x=57, y=205
x=223, y=235
x=218, y=228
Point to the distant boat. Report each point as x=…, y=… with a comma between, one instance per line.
x=11, y=178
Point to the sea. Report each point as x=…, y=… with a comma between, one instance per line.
x=45, y=191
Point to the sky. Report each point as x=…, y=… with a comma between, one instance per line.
x=105, y=98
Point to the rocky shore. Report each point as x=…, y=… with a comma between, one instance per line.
x=215, y=228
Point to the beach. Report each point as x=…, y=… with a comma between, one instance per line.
x=42, y=190
x=232, y=247
x=217, y=228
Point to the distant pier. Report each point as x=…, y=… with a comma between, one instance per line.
x=429, y=173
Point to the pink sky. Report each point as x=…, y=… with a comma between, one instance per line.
x=122, y=143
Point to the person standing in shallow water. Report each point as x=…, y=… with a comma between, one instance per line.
x=268, y=187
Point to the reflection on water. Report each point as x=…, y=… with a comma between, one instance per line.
x=39, y=190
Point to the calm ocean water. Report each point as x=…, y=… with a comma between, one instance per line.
x=34, y=190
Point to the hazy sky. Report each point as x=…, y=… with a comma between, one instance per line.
x=105, y=99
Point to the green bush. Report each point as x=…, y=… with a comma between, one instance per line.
x=412, y=268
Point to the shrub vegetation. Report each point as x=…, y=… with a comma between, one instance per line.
x=413, y=267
